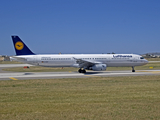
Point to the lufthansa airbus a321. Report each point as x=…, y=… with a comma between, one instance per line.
x=95, y=62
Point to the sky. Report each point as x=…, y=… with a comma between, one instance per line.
x=81, y=26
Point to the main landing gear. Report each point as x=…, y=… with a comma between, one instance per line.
x=82, y=71
x=133, y=69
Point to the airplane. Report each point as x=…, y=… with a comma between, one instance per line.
x=95, y=62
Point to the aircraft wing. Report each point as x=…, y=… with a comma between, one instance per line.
x=85, y=63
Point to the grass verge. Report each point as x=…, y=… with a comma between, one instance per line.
x=10, y=62
x=153, y=59
x=81, y=98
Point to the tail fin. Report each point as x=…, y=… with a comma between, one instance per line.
x=20, y=47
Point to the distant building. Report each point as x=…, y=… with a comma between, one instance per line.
x=4, y=58
x=1, y=58
x=151, y=55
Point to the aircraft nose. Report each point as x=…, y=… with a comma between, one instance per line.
x=146, y=61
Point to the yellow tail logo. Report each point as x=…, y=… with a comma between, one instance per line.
x=19, y=45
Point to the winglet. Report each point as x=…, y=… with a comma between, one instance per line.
x=20, y=47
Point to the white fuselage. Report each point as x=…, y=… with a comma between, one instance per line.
x=68, y=60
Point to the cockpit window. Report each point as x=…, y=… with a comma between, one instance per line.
x=141, y=58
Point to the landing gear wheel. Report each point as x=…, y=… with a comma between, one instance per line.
x=133, y=69
x=82, y=71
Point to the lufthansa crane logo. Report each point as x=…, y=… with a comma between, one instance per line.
x=19, y=45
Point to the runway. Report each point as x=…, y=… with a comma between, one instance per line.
x=51, y=75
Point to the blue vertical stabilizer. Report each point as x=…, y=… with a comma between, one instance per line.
x=20, y=47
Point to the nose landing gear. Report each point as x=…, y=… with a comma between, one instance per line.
x=133, y=70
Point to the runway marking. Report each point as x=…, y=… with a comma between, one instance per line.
x=13, y=78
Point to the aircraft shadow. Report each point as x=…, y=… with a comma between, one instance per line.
x=28, y=73
x=91, y=73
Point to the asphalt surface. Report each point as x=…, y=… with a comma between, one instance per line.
x=51, y=75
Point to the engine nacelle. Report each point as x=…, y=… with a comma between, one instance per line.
x=99, y=67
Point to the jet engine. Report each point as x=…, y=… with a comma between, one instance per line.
x=98, y=67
